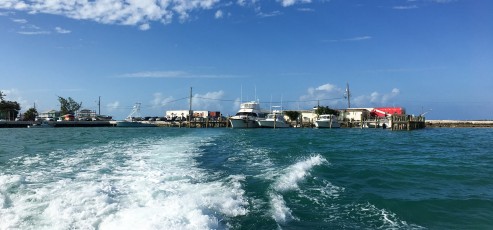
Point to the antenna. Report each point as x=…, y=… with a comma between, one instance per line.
x=135, y=112
x=347, y=95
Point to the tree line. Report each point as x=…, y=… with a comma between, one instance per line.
x=9, y=110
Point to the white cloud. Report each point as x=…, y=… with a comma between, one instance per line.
x=270, y=14
x=376, y=99
x=145, y=26
x=327, y=94
x=218, y=14
x=42, y=32
x=62, y=31
x=236, y=105
x=286, y=3
x=306, y=9
x=160, y=101
x=19, y=20
x=113, y=105
x=132, y=12
x=209, y=101
x=410, y=7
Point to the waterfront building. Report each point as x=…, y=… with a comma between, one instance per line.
x=49, y=115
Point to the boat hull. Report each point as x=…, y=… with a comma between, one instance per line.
x=243, y=123
x=133, y=124
x=327, y=124
x=270, y=124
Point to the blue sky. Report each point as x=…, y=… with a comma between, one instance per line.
x=433, y=56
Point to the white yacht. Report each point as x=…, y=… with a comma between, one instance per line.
x=134, y=119
x=327, y=121
x=247, y=116
x=275, y=119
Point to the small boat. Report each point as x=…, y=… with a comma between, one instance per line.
x=247, y=116
x=134, y=119
x=43, y=124
x=327, y=121
x=275, y=119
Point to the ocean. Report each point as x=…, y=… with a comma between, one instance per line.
x=222, y=178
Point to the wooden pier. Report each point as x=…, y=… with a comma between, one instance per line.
x=407, y=122
x=196, y=123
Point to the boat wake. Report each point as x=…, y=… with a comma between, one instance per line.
x=295, y=189
x=141, y=184
x=288, y=181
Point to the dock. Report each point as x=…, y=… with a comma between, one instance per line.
x=407, y=122
x=196, y=123
x=398, y=122
x=25, y=124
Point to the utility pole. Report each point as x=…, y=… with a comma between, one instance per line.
x=190, y=110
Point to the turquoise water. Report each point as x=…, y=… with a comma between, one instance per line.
x=171, y=178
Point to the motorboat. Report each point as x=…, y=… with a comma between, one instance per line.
x=247, y=116
x=43, y=124
x=134, y=119
x=275, y=119
x=327, y=121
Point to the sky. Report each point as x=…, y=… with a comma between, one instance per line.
x=432, y=57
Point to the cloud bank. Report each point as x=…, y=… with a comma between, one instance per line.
x=129, y=12
x=327, y=95
x=376, y=99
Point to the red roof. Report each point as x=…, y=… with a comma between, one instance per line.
x=387, y=111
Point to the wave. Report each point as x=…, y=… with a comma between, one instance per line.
x=288, y=181
x=141, y=184
x=296, y=173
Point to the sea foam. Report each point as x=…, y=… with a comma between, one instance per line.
x=140, y=184
x=296, y=173
x=288, y=181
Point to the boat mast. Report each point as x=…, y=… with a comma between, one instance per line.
x=347, y=95
x=99, y=105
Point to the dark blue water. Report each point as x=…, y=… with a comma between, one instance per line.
x=171, y=178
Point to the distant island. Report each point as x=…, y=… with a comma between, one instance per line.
x=459, y=123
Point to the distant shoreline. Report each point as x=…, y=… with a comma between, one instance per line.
x=429, y=124
x=459, y=124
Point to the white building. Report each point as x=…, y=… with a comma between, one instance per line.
x=354, y=114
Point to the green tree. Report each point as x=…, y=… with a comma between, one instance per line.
x=9, y=109
x=68, y=106
x=326, y=110
x=293, y=115
x=30, y=114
